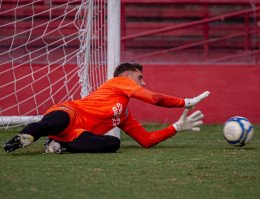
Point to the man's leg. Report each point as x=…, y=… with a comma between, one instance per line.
x=90, y=143
x=52, y=123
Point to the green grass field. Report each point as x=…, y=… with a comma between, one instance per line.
x=189, y=165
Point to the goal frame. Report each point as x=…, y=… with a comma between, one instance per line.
x=113, y=59
x=113, y=43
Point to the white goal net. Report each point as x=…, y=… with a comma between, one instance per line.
x=51, y=51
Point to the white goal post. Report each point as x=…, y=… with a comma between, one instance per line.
x=53, y=51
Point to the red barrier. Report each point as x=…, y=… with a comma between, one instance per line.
x=235, y=90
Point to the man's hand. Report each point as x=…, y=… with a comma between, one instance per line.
x=191, y=102
x=191, y=122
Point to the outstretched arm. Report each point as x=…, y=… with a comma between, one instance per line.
x=146, y=139
x=149, y=139
x=158, y=99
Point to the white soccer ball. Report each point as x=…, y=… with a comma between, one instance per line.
x=238, y=131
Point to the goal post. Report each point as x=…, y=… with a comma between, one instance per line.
x=114, y=32
x=113, y=44
x=53, y=51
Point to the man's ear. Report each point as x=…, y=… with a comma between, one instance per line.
x=125, y=74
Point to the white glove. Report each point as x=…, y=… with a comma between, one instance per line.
x=191, y=102
x=189, y=123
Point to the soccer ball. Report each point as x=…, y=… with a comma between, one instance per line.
x=238, y=131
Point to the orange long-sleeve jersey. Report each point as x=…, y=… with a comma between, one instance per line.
x=107, y=108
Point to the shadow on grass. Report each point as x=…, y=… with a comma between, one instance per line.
x=27, y=153
x=247, y=148
x=158, y=147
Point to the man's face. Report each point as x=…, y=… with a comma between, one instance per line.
x=137, y=76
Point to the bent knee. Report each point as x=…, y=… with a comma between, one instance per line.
x=114, y=144
x=117, y=144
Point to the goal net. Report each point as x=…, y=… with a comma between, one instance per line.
x=51, y=51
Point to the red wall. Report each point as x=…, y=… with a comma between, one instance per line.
x=235, y=90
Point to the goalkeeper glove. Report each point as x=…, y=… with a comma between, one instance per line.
x=191, y=102
x=189, y=123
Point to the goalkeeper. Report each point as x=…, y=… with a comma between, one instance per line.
x=80, y=125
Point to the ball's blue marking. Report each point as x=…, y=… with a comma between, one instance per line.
x=249, y=129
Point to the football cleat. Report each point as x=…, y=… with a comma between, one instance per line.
x=19, y=141
x=53, y=146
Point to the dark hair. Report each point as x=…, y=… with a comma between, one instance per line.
x=127, y=66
